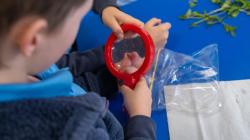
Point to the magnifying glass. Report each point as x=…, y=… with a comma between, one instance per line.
x=130, y=58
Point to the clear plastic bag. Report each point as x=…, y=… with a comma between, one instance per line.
x=187, y=83
x=125, y=2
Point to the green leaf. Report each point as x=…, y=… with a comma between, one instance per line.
x=233, y=11
x=194, y=25
x=187, y=15
x=197, y=14
x=183, y=17
x=213, y=20
x=226, y=9
x=193, y=3
x=226, y=4
x=216, y=1
x=245, y=5
x=230, y=29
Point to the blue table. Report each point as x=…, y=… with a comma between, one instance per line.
x=234, y=52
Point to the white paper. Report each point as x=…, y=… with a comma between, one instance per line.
x=231, y=122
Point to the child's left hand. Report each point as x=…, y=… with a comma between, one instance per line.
x=158, y=31
x=113, y=18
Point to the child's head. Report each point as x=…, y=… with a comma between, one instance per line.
x=35, y=33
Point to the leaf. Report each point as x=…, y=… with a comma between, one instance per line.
x=216, y=1
x=197, y=14
x=233, y=11
x=230, y=29
x=226, y=4
x=226, y=9
x=213, y=20
x=187, y=15
x=193, y=3
x=245, y=5
x=183, y=17
x=194, y=25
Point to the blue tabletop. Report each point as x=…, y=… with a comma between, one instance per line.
x=234, y=52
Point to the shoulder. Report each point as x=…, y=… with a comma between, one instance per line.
x=58, y=118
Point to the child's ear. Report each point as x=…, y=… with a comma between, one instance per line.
x=30, y=34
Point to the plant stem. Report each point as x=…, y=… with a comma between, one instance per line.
x=205, y=19
x=215, y=11
x=244, y=11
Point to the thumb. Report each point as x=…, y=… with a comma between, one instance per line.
x=142, y=83
x=125, y=90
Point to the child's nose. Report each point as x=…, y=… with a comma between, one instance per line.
x=126, y=60
x=133, y=55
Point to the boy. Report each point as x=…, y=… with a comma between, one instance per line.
x=34, y=34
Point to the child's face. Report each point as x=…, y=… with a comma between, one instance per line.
x=53, y=45
x=130, y=63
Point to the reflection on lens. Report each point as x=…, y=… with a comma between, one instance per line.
x=128, y=54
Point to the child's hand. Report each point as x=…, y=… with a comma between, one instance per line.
x=113, y=18
x=139, y=100
x=158, y=31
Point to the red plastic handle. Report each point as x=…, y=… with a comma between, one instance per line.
x=131, y=79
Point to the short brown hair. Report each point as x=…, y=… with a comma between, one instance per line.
x=54, y=11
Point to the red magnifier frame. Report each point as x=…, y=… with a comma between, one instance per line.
x=131, y=79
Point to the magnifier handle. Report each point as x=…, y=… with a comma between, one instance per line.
x=131, y=83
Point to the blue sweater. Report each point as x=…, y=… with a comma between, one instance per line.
x=47, y=109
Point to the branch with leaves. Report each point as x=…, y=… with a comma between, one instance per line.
x=226, y=9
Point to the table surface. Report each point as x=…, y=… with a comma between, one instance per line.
x=234, y=52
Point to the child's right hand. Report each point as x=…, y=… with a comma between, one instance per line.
x=139, y=100
x=158, y=31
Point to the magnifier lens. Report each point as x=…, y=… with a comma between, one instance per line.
x=128, y=54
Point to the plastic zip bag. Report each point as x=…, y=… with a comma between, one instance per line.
x=178, y=69
x=125, y=2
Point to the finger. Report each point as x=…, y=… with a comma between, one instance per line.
x=124, y=89
x=129, y=35
x=165, y=35
x=165, y=26
x=152, y=22
x=115, y=27
x=125, y=18
x=141, y=83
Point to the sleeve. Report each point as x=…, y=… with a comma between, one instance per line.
x=87, y=61
x=100, y=5
x=89, y=71
x=140, y=128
